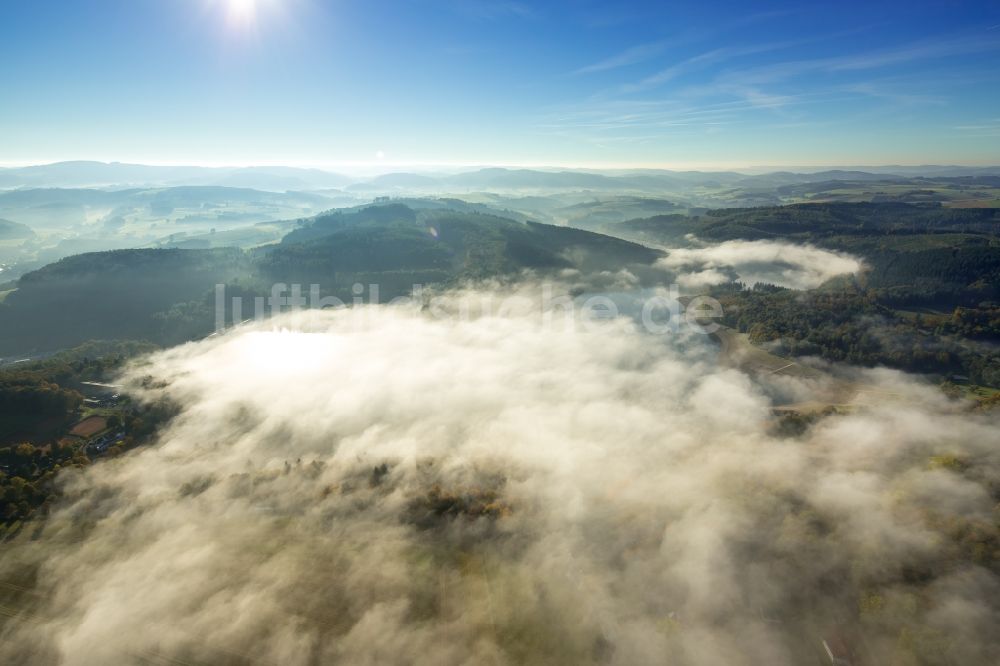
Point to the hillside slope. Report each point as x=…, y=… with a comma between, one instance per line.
x=167, y=295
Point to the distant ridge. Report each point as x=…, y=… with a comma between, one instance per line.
x=14, y=231
x=279, y=178
x=117, y=174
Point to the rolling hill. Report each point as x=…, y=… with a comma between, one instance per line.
x=167, y=295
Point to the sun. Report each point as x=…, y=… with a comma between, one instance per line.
x=244, y=18
x=242, y=11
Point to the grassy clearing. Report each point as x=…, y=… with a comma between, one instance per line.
x=973, y=203
x=928, y=316
x=977, y=392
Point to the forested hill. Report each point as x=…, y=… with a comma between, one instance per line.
x=446, y=243
x=167, y=295
x=925, y=256
x=834, y=224
x=928, y=299
x=109, y=295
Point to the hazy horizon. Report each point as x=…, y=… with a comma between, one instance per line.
x=364, y=169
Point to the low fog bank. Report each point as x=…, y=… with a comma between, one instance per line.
x=377, y=485
x=771, y=262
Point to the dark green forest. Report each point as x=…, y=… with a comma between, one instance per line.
x=166, y=296
x=927, y=300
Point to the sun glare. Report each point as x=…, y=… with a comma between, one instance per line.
x=242, y=11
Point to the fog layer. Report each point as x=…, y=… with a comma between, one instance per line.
x=377, y=485
x=772, y=262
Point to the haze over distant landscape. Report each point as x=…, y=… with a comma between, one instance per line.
x=489, y=332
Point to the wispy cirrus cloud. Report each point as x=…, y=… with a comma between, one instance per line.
x=688, y=114
x=703, y=60
x=913, y=52
x=643, y=52
x=986, y=128
x=771, y=83
x=886, y=91
x=618, y=115
x=630, y=56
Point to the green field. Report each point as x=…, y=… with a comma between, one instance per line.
x=977, y=392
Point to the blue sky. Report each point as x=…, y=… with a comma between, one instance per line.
x=603, y=84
